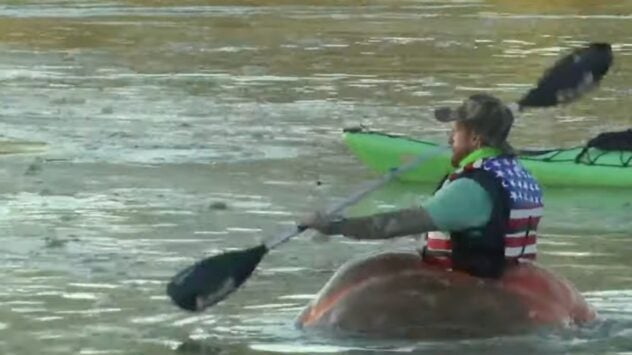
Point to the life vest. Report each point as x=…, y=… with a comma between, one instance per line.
x=510, y=234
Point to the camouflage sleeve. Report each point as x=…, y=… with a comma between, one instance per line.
x=385, y=225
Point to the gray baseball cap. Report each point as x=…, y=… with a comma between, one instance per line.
x=487, y=115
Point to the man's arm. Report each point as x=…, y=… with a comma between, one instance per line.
x=460, y=205
x=385, y=225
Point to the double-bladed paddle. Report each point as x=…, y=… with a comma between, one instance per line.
x=210, y=280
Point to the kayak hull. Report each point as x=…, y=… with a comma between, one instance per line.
x=397, y=295
x=382, y=152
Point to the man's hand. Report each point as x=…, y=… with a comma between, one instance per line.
x=321, y=222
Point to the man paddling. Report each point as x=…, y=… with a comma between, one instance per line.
x=511, y=202
x=483, y=217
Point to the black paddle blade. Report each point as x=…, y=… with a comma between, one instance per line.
x=570, y=77
x=209, y=281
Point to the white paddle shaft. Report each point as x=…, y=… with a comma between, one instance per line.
x=353, y=199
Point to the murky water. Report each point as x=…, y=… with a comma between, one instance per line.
x=134, y=117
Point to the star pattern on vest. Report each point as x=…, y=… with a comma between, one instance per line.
x=522, y=188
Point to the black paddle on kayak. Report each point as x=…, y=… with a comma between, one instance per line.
x=210, y=280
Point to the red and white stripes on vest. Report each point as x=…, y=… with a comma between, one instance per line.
x=525, y=211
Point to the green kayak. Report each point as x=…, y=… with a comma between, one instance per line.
x=552, y=167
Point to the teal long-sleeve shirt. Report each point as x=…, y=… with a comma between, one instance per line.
x=460, y=205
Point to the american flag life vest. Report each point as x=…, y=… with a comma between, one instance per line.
x=525, y=211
